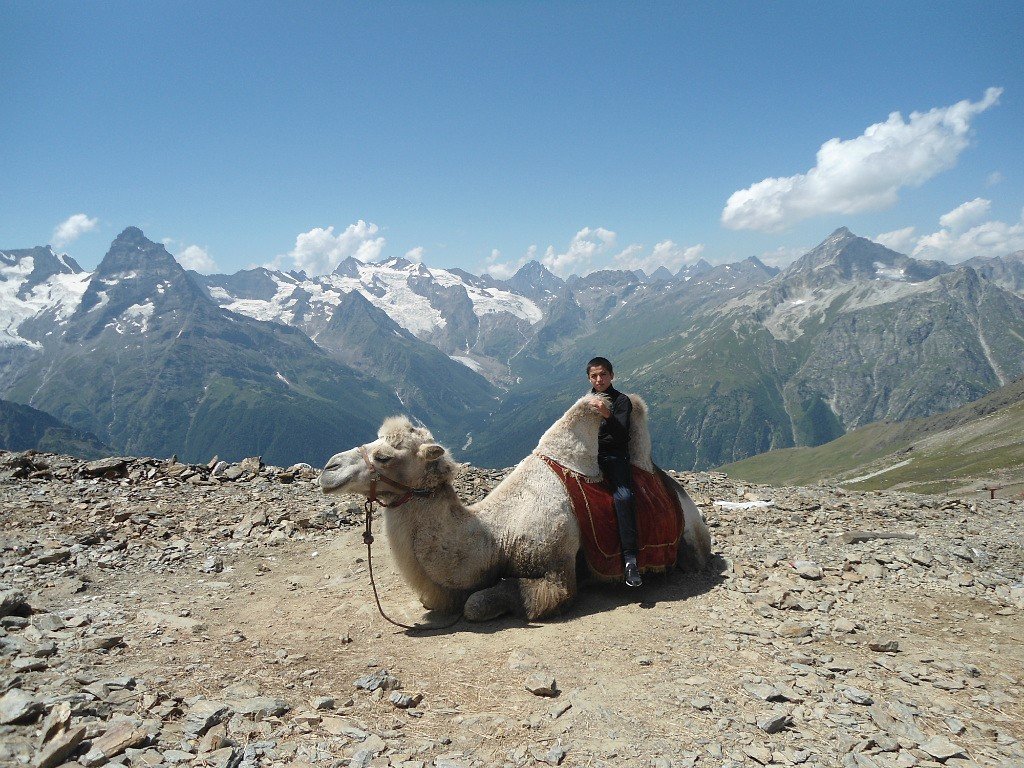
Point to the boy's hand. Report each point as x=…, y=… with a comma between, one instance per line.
x=597, y=404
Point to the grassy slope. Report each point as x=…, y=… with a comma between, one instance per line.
x=982, y=440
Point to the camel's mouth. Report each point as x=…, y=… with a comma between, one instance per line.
x=334, y=480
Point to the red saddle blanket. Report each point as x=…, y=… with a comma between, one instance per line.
x=659, y=520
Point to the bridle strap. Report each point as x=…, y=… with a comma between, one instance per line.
x=371, y=500
x=378, y=476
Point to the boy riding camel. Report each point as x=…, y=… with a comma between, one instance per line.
x=613, y=458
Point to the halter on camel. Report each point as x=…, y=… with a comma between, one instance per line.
x=376, y=476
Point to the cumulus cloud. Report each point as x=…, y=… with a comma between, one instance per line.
x=899, y=240
x=197, y=258
x=989, y=238
x=584, y=248
x=666, y=253
x=963, y=216
x=861, y=174
x=319, y=250
x=503, y=270
x=72, y=228
x=415, y=254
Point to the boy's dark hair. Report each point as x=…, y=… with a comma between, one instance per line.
x=602, y=361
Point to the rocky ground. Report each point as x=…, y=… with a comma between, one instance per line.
x=163, y=614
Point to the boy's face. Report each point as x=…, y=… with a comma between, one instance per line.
x=599, y=377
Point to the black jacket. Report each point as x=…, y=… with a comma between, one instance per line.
x=614, y=434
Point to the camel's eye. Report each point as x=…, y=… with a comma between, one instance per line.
x=382, y=458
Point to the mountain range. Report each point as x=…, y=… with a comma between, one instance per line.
x=733, y=359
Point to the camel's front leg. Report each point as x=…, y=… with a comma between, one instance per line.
x=434, y=597
x=533, y=598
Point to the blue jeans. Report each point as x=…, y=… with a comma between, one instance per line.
x=617, y=471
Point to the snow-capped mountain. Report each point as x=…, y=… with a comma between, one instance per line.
x=453, y=310
x=37, y=285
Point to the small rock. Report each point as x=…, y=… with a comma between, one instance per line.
x=774, y=722
x=113, y=742
x=844, y=626
x=323, y=702
x=761, y=754
x=381, y=679
x=13, y=603
x=541, y=684
x=405, y=700
x=857, y=696
x=941, y=748
x=885, y=645
x=59, y=748
x=17, y=705
x=213, y=564
x=203, y=715
x=807, y=569
x=555, y=755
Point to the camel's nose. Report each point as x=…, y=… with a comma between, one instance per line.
x=334, y=462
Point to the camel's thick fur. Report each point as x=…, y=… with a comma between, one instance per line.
x=516, y=549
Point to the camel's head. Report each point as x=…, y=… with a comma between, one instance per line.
x=401, y=452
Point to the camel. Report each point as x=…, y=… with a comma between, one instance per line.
x=514, y=551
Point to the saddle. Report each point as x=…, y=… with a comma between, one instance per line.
x=659, y=520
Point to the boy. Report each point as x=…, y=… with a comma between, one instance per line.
x=613, y=458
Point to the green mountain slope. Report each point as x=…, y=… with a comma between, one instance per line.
x=25, y=428
x=978, y=444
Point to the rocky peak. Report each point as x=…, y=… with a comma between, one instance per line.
x=661, y=275
x=133, y=254
x=534, y=281
x=138, y=276
x=349, y=267
x=845, y=257
x=692, y=270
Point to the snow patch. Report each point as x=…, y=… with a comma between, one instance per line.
x=744, y=504
x=469, y=362
x=885, y=272
x=897, y=465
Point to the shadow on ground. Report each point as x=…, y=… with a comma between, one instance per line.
x=595, y=597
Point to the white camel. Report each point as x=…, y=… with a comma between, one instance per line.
x=516, y=549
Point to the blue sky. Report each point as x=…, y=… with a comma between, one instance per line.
x=477, y=135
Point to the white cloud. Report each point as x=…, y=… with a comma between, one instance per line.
x=864, y=173
x=319, y=250
x=415, y=254
x=993, y=178
x=963, y=216
x=990, y=238
x=899, y=240
x=503, y=270
x=579, y=257
x=72, y=228
x=666, y=253
x=197, y=258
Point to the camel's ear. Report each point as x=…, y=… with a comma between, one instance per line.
x=431, y=451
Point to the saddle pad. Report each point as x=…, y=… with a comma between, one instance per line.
x=659, y=520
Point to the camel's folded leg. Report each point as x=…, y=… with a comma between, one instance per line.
x=492, y=602
x=533, y=598
x=548, y=595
